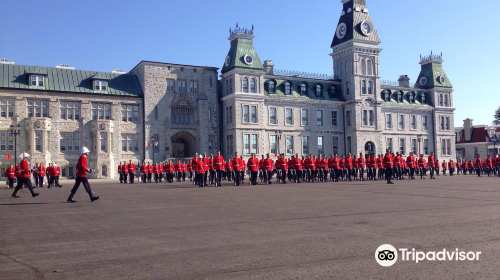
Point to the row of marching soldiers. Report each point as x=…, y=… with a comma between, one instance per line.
x=41, y=175
x=205, y=170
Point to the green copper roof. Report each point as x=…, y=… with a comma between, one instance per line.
x=327, y=93
x=241, y=45
x=433, y=71
x=67, y=80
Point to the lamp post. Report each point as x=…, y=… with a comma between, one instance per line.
x=15, y=131
x=419, y=140
x=155, y=142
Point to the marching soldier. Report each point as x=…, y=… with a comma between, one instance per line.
x=124, y=173
x=120, y=172
x=144, y=172
x=410, y=162
x=389, y=165
x=150, y=172
x=10, y=174
x=478, y=165
x=131, y=171
x=422, y=166
x=24, y=176
x=253, y=167
x=200, y=169
x=81, y=176
x=56, y=173
x=451, y=166
x=219, y=166
x=156, y=172
x=361, y=167
x=236, y=164
x=268, y=164
x=431, y=163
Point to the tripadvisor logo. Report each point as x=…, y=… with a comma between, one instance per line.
x=387, y=255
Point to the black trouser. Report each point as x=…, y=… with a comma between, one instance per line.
x=229, y=175
x=55, y=179
x=269, y=175
x=21, y=181
x=298, y=175
x=361, y=174
x=211, y=175
x=412, y=172
x=253, y=177
x=157, y=177
x=218, y=176
x=237, y=177
x=149, y=177
x=125, y=178
x=432, y=170
x=10, y=182
x=451, y=171
x=478, y=171
x=143, y=178
x=85, y=182
x=205, y=176
x=131, y=178
x=422, y=172
x=283, y=176
x=40, y=181
x=349, y=174
x=121, y=178
x=388, y=174
x=201, y=180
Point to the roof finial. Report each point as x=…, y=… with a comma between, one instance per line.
x=236, y=25
x=252, y=27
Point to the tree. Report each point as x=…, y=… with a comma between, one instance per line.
x=497, y=117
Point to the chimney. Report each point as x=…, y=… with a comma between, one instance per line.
x=404, y=81
x=269, y=66
x=468, y=130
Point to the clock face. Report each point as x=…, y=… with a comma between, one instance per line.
x=341, y=30
x=442, y=79
x=423, y=81
x=227, y=61
x=366, y=28
x=248, y=59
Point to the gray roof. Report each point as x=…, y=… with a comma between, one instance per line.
x=67, y=80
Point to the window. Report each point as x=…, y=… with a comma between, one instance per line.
x=445, y=123
x=38, y=140
x=193, y=87
x=38, y=108
x=334, y=118
x=363, y=67
x=209, y=114
x=288, y=116
x=332, y=90
x=227, y=86
x=411, y=97
x=272, y=87
x=365, y=117
x=369, y=67
x=400, y=96
x=304, y=118
x=389, y=144
x=335, y=145
x=253, y=114
x=252, y=86
x=170, y=85
x=100, y=85
x=426, y=146
x=70, y=142
x=181, y=86
x=349, y=144
x=272, y=144
x=319, y=91
x=348, y=118
x=476, y=152
x=319, y=117
x=182, y=115
x=104, y=170
x=211, y=140
x=445, y=100
x=250, y=143
x=37, y=80
x=101, y=111
x=448, y=147
x=288, y=88
x=6, y=141
x=321, y=150
x=229, y=141
x=347, y=67
x=368, y=118
x=387, y=95
x=303, y=89
x=371, y=120
x=414, y=146
x=413, y=122
x=246, y=113
x=402, y=146
x=6, y=108
x=289, y=145
x=424, y=122
x=388, y=121
x=130, y=113
x=245, y=84
x=71, y=171
x=363, y=87
x=103, y=142
x=130, y=143
x=370, y=86
x=230, y=85
x=443, y=146
x=229, y=114
x=305, y=145
x=347, y=88
x=70, y=110
x=401, y=121
x=272, y=116
x=440, y=100
x=423, y=98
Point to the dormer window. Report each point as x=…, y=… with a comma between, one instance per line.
x=411, y=97
x=272, y=87
x=319, y=91
x=400, y=97
x=37, y=81
x=387, y=96
x=288, y=88
x=303, y=89
x=423, y=98
x=100, y=85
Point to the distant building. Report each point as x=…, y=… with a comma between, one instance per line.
x=477, y=139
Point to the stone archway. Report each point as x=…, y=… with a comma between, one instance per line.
x=370, y=148
x=183, y=145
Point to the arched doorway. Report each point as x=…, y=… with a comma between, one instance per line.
x=183, y=144
x=369, y=148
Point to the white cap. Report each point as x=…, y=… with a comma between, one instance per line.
x=24, y=155
x=84, y=150
x=200, y=156
x=54, y=165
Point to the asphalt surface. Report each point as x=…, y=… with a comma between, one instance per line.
x=293, y=231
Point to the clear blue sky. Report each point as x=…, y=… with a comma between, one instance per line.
x=296, y=35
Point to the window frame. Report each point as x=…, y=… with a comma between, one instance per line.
x=131, y=143
x=7, y=108
x=302, y=117
x=134, y=114
x=320, y=120
x=38, y=79
x=170, y=85
x=101, y=85
x=44, y=109
x=287, y=118
x=335, y=118
x=64, y=139
x=106, y=113
x=413, y=122
x=275, y=109
x=388, y=121
x=401, y=121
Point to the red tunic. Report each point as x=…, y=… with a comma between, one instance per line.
x=81, y=167
x=10, y=173
x=253, y=164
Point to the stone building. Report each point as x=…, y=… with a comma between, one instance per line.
x=473, y=140
x=159, y=111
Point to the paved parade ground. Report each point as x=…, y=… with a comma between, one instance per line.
x=293, y=231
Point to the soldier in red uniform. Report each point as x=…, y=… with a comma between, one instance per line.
x=451, y=167
x=10, y=174
x=211, y=170
x=171, y=171
x=56, y=173
x=120, y=172
x=144, y=172
x=243, y=169
x=336, y=168
x=489, y=165
x=410, y=162
x=444, y=165
x=262, y=174
x=124, y=173
x=348, y=166
x=150, y=172
x=381, y=167
x=229, y=170
x=184, y=170
x=160, y=167
x=253, y=167
x=236, y=163
x=24, y=176
x=219, y=167
x=389, y=165
x=312, y=169
x=81, y=176
x=422, y=166
x=355, y=167
x=431, y=162
x=268, y=165
x=200, y=170
x=297, y=165
x=41, y=174
x=178, y=170
x=283, y=165
x=343, y=171
x=361, y=167
x=156, y=172
x=36, y=178
x=478, y=165
x=49, y=174
x=131, y=171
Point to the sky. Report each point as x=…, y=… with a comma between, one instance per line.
x=296, y=35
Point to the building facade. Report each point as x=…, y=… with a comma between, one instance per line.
x=473, y=140
x=159, y=111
